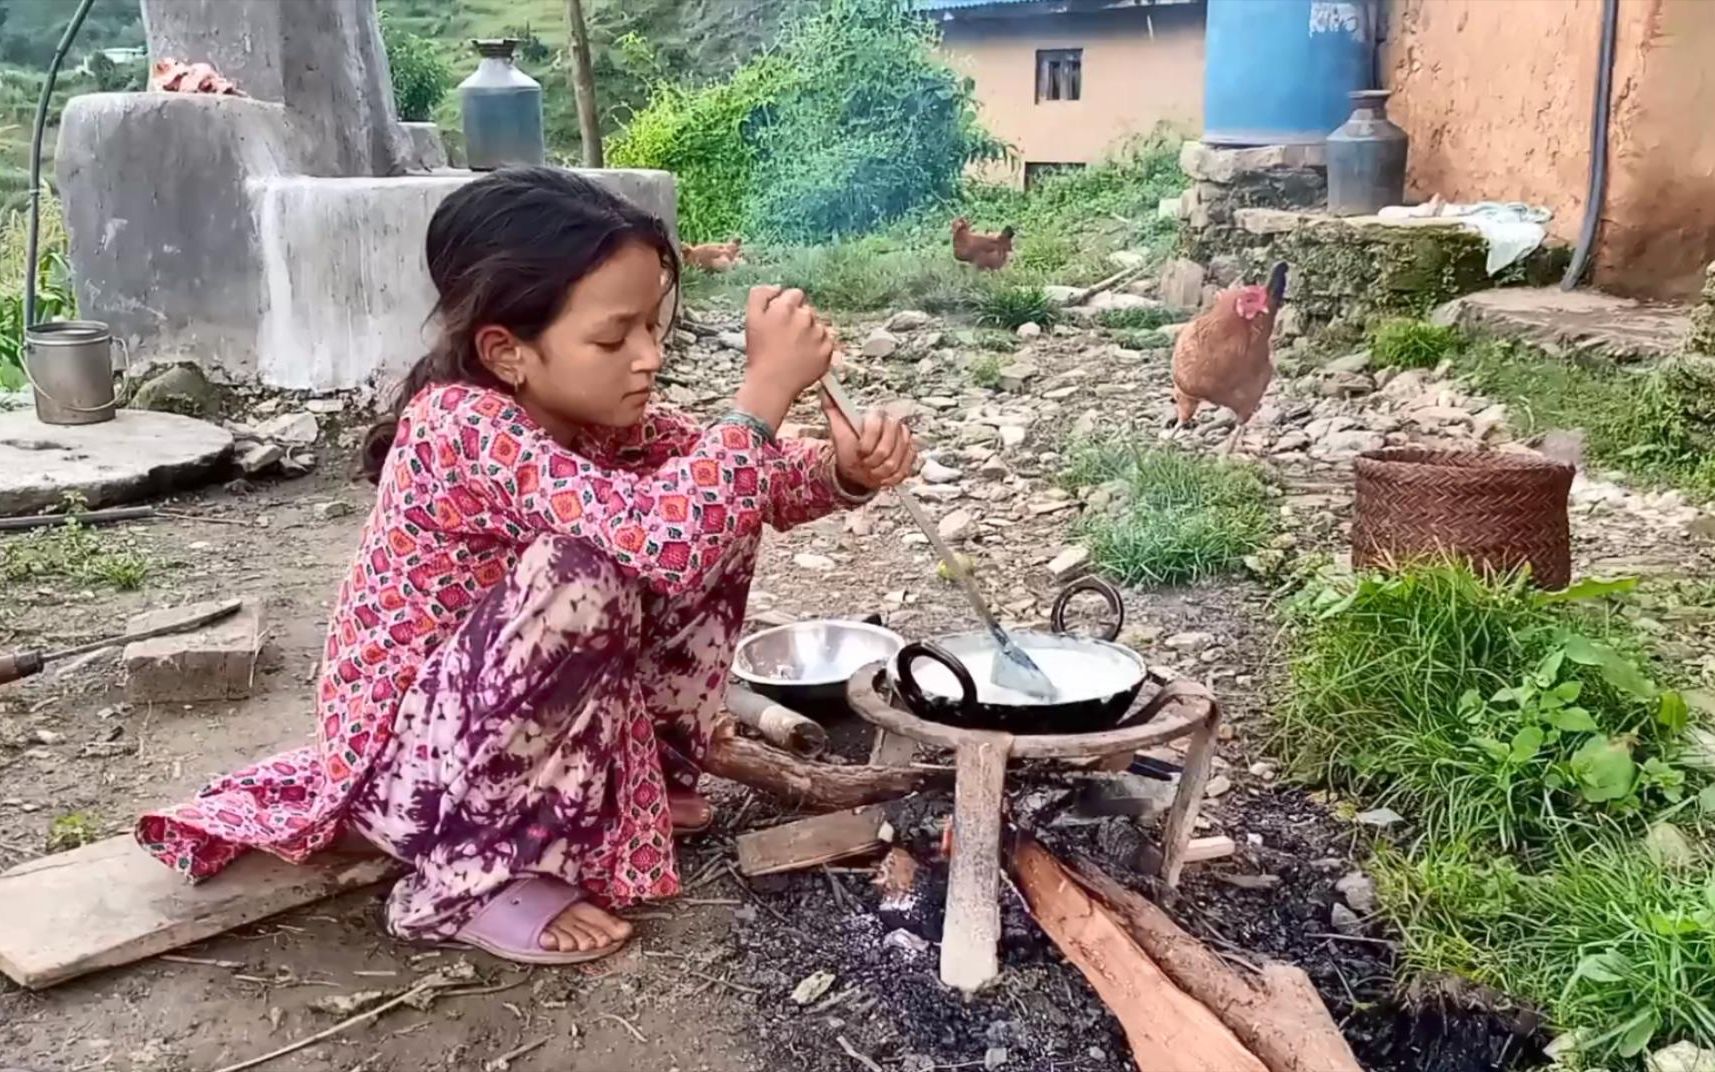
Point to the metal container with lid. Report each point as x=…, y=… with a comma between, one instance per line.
x=1366, y=158
x=501, y=108
x=70, y=365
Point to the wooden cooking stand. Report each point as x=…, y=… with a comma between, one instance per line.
x=971, y=936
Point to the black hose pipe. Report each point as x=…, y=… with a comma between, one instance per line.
x=1597, y=191
x=35, y=230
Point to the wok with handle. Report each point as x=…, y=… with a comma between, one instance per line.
x=1096, y=680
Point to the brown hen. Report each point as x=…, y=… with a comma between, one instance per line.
x=988, y=252
x=1223, y=357
x=715, y=256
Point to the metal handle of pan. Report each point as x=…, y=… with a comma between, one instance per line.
x=1110, y=595
x=913, y=693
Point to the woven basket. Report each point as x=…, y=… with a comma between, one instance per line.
x=1499, y=511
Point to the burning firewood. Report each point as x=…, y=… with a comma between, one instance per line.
x=1168, y=1029
x=804, y=783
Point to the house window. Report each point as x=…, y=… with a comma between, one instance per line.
x=1059, y=74
x=1035, y=172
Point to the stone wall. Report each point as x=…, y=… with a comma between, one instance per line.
x=1248, y=208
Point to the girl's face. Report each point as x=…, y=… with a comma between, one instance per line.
x=596, y=363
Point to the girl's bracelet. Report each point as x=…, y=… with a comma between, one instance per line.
x=751, y=421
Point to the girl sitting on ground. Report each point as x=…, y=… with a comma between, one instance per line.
x=528, y=650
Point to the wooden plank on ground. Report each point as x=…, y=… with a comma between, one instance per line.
x=111, y=903
x=821, y=839
x=1168, y=1029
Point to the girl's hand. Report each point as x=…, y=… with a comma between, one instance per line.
x=788, y=348
x=881, y=454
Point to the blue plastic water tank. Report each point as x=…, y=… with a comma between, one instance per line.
x=1277, y=72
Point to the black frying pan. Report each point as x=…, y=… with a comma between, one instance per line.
x=1096, y=678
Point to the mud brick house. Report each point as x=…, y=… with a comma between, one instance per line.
x=1498, y=98
x=1066, y=81
x=1497, y=95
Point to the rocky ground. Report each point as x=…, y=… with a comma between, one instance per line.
x=710, y=984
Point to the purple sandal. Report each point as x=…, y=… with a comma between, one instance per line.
x=510, y=925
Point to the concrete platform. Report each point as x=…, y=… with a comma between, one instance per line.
x=1581, y=321
x=133, y=456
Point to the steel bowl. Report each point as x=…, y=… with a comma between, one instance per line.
x=810, y=662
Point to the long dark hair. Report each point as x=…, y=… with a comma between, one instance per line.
x=505, y=250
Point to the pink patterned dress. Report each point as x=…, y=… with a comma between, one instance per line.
x=530, y=645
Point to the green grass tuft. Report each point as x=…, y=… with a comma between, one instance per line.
x=1556, y=792
x=984, y=371
x=1143, y=318
x=73, y=552
x=1182, y=518
x=1012, y=307
x=1411, y=344
x=1656, y=425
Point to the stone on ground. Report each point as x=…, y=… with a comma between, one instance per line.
x=1069, y=563
x=135, y=455
x=216, y=662
x=909, y=320
x=181, y=389
x=1182, y=285
x=881, y=343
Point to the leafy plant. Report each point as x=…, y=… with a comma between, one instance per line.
x=1615, y=946
x=1011, y=307
x=420, y=76
x=1411, y=344
x=72, y=831
x=1183, y=517
x=55, y=299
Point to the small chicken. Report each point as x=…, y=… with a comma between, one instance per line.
x=988, y=252
x=1223, y=356
x=716, y=256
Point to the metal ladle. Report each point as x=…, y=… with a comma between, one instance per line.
x=1014, y=669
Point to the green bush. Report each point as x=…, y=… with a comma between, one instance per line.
x=1183, y=517
x=1411, y=344
x=1557, y=795
x=851, y=122
x=420, y=76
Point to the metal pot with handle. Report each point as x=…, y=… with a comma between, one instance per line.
x=947, y=679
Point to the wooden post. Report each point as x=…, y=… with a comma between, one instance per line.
x=582, y=71
x=1182, y=817
x=970, y=938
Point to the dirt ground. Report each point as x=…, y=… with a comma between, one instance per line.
x=707, y=986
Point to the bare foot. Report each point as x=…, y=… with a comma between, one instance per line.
x=584, y=928
x=689, y=811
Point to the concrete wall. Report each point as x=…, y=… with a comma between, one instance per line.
x=196, y=236
x=1142, y=67
x=1497, y=96
x=345, y=290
